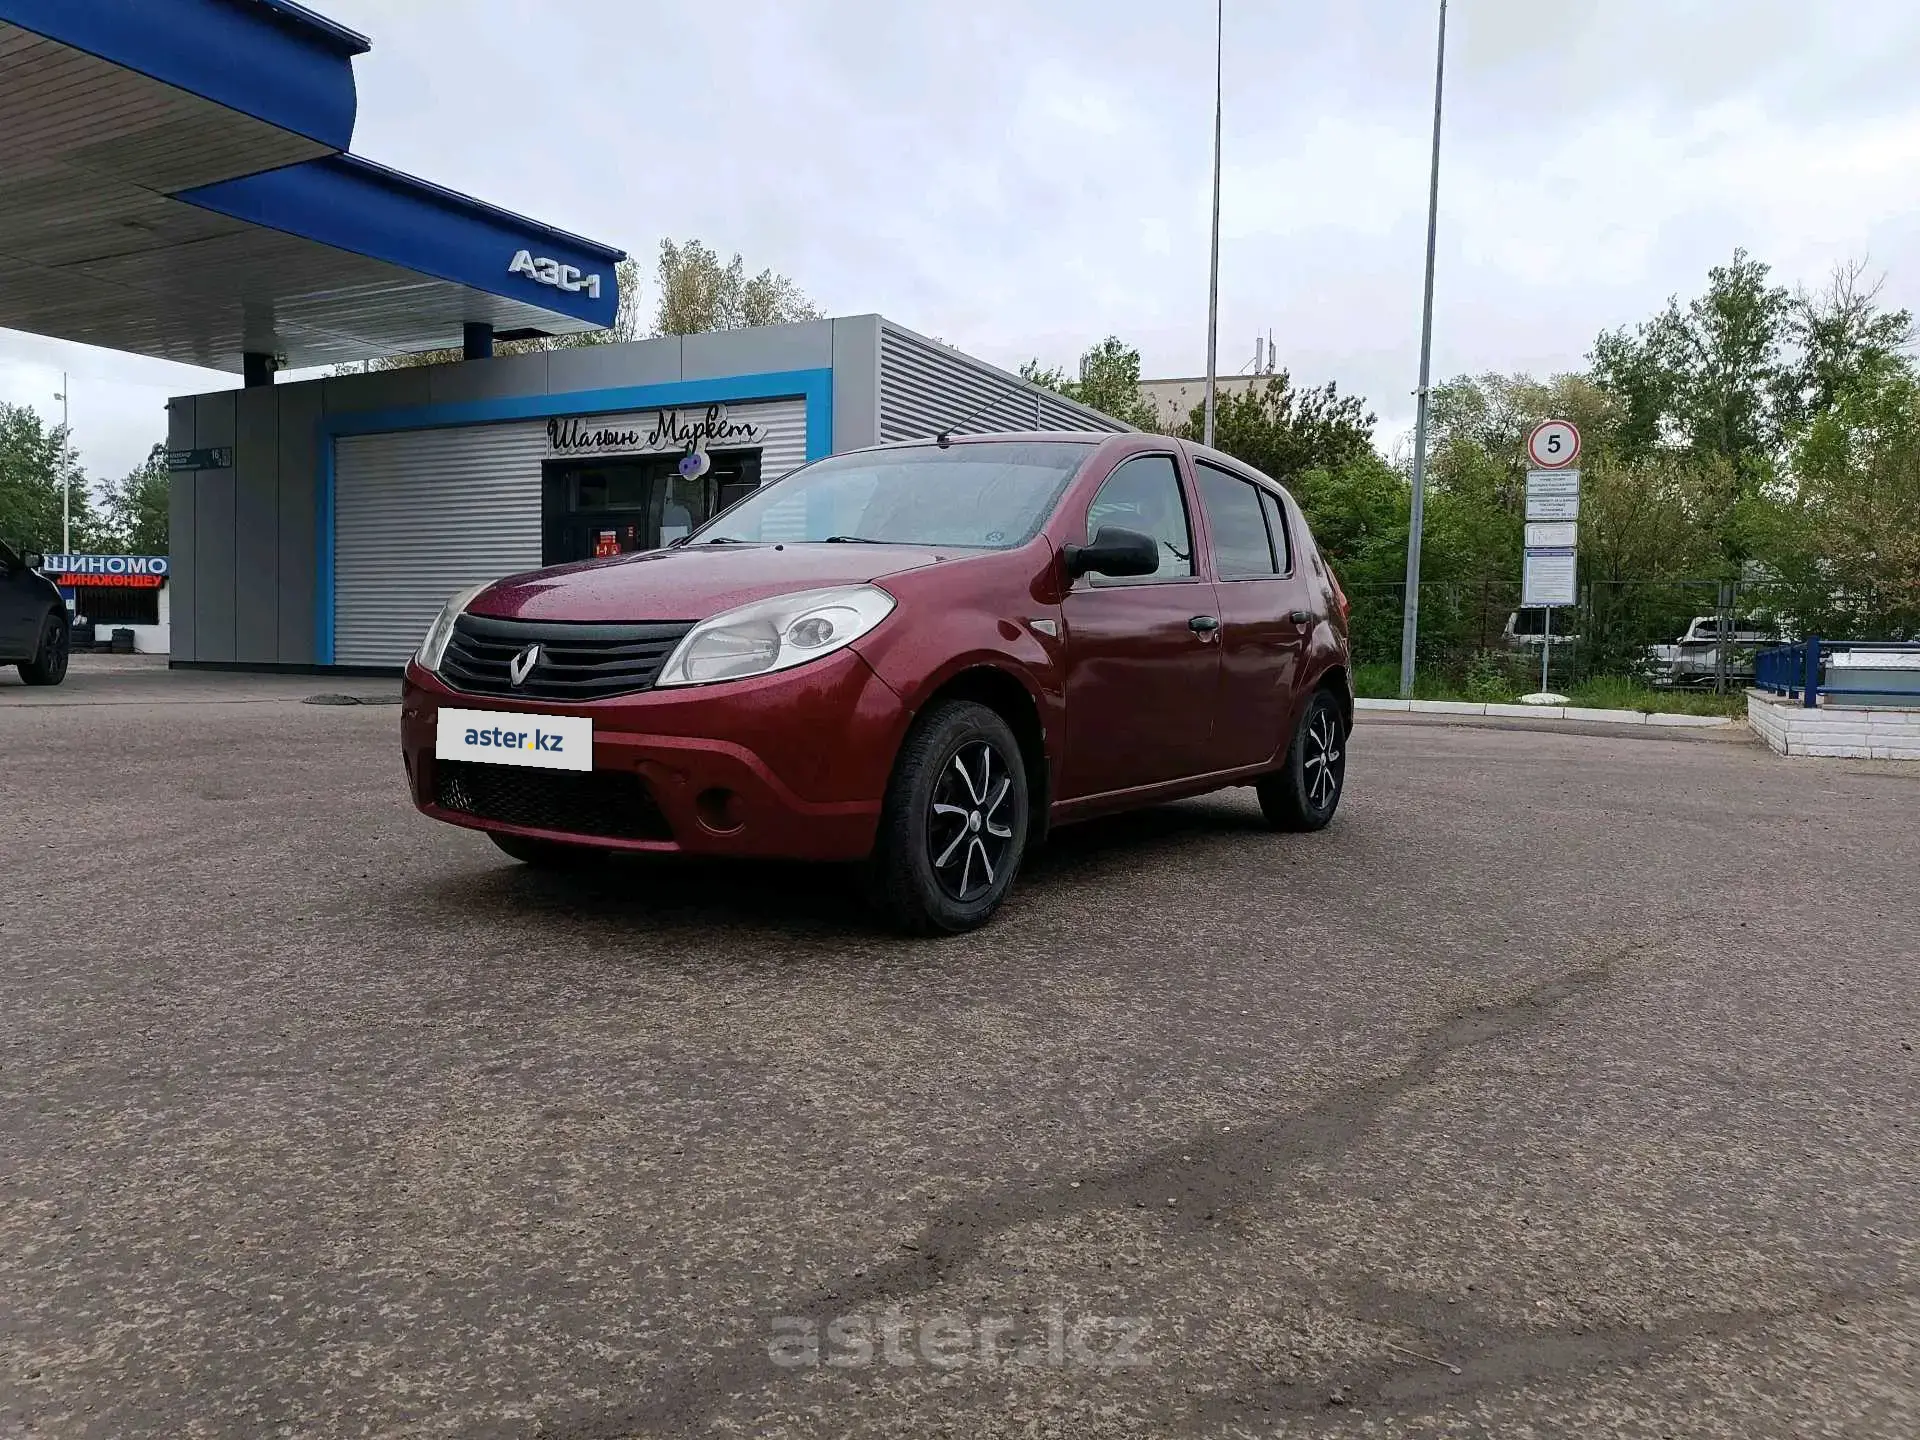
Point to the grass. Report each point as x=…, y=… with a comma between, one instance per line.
x=1618, y=692
x=1382, y=682
x=1600, y=692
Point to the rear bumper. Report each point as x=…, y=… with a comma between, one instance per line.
x=793, y=765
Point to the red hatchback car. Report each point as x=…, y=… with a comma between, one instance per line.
x=919, y=656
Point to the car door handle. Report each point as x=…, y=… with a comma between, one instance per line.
x=1300, y=617
x=1204, y=624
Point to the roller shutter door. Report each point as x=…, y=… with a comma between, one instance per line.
x=420, y=514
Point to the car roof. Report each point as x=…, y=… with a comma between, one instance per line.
x=1084, y=437
x=1150, y=438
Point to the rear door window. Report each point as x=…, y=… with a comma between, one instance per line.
x=1277, y=527
x=1242, y=548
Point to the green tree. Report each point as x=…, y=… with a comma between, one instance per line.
x=698, y=293
x=136, y=508
x=1050, y=377
x=1642, y=544
x=1849, y=344
x=1109, y=381
x=33, y=458
x=1778, y=428
x=1714, y=375
x=1846, y=542
x=1283, y=432
x=1718, y=378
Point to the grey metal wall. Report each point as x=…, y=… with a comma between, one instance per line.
x=927, y=387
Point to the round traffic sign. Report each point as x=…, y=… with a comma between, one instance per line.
x=1553, y=444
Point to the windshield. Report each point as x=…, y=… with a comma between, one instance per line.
x=987, y=495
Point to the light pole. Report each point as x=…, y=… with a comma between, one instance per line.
x=1410, y=613
x=66, y=474
x=1213, y=276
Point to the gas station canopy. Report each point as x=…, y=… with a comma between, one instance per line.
x=174, y=181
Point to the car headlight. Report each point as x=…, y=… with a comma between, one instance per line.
x=434, y=647
x=775, y=634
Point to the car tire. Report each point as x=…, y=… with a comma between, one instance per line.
x=49, y=663
x=953, y=828
x=1304, y=793
x=547, y=854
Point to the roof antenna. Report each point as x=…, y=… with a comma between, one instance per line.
x=944, y=437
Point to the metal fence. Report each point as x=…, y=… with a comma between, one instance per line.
x=1686, y=633
x=1795, y=671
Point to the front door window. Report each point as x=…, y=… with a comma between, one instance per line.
x=1143, y=495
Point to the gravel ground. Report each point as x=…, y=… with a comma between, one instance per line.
x=1566, y=1086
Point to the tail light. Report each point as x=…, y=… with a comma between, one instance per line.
x=1339, y=595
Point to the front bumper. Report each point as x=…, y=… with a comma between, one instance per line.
x=791, y=765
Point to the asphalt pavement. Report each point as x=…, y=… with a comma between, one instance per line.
x=1565, y=1086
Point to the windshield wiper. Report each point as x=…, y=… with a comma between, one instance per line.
x=724, y=540
x=853, y=540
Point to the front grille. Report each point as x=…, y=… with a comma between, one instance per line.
x=577, y=662
x=607, y=804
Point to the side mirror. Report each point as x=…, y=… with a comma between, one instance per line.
x=1114, y=551
x=34, y=560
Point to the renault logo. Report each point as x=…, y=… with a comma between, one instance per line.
x=522, y=665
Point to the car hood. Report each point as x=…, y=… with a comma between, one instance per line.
x=690, y=583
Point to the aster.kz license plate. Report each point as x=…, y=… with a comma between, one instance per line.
x=542, y=742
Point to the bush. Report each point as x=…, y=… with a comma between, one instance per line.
x=1493, y=677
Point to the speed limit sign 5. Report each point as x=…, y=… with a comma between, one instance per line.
x=1553, y=444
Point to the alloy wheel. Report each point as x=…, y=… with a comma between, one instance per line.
x=969, y=833
x=1324, y=762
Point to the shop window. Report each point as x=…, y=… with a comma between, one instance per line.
x=116, y=605
x=616, y=487
x=613, y=505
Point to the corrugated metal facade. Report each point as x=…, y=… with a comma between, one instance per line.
x=926, y=387
x=420, y=514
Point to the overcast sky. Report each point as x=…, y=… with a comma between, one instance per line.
x=1022, y=177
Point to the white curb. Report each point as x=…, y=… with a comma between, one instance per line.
x=1586, y=715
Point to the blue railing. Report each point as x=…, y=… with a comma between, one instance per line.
x=1794, y=670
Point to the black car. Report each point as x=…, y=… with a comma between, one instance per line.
x=33, y=620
